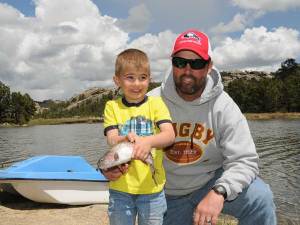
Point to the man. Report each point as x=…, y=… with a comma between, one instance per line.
x=212, y=167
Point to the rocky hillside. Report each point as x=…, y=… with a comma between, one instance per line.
x=94, y=94
x=89, y=95
x=227, y=77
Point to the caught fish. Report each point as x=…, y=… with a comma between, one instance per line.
x=122, y=153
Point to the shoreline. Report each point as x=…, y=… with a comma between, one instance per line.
x=272, y=116
x=15, y=209
x=77, y=119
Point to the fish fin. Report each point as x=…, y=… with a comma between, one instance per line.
x=149, y=161
x=153, y=174
x=152, y=167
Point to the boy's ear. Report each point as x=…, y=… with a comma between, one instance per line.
x=116, y=80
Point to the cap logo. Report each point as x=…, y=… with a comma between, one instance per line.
x=195, y=41
x=192, y=35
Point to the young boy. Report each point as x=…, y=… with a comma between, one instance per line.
x=146, y=122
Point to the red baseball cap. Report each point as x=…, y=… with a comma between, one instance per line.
x=195, y=41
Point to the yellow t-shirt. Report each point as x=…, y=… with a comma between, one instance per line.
x=143, y=119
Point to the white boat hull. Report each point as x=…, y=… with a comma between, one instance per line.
x=57, y=179
x=62, y=192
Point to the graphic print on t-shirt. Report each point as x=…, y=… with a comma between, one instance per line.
x=138, y=125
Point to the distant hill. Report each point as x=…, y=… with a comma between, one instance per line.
x=90, y=95
x=95, y=94
x=86, y=97
x=228, y=77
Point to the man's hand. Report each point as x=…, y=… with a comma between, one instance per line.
x=115, y=172
x=209, y=209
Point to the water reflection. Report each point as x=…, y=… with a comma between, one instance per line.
x=73, y=139
x=278, y=145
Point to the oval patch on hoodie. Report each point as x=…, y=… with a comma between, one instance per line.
x=183, y=152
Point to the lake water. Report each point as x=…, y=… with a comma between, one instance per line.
x=277, y=142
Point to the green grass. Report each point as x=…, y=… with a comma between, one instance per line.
x=276, y=115
x=78, y=119
x=68, y=120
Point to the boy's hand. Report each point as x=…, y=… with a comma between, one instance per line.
x=141, y=148
x=116, y=172
x=131, y=137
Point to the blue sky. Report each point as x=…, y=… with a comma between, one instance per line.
x=58, y=48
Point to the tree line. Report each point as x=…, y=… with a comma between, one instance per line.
x=278, y=94
x=15, y=107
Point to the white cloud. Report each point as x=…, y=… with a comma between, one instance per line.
x=158, y=49
x=54, y=12
x=257, y=48
x=137, y=21
x=238, y=23
x=60, y=51
x=267, y=5
x=9, y=15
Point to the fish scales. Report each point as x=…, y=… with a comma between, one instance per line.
x=122, y=153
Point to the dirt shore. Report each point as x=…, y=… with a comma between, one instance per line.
x=16, y=210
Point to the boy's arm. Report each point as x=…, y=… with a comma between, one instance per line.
x=143, y=145
x=114, y=138
x=164, y=138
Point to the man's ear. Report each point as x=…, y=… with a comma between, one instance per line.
x=210, y=65
x=116, y=80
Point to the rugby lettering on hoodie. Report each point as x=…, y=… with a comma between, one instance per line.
x=196, y=136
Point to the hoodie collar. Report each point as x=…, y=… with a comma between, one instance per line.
x=212, y=89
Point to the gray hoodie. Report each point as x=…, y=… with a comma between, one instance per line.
x=211, y=133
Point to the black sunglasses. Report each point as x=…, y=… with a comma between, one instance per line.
x=196, y=64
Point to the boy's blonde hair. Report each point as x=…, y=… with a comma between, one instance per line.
x=132, y=58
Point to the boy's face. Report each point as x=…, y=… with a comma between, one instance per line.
x=134, y=83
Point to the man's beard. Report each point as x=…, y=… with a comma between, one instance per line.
x=191, y=87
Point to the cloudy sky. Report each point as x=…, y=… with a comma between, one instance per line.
x=58, y=48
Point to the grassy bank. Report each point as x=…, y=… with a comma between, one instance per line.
x=270, y=116
x=68, y=120
x=249, y=116
x=77, y=119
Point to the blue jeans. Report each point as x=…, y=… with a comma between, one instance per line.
x=123, y=208
x=254, y=206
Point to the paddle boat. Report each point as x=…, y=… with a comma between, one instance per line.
x=57, y=179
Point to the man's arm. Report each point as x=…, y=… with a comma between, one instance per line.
x=240, y=157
